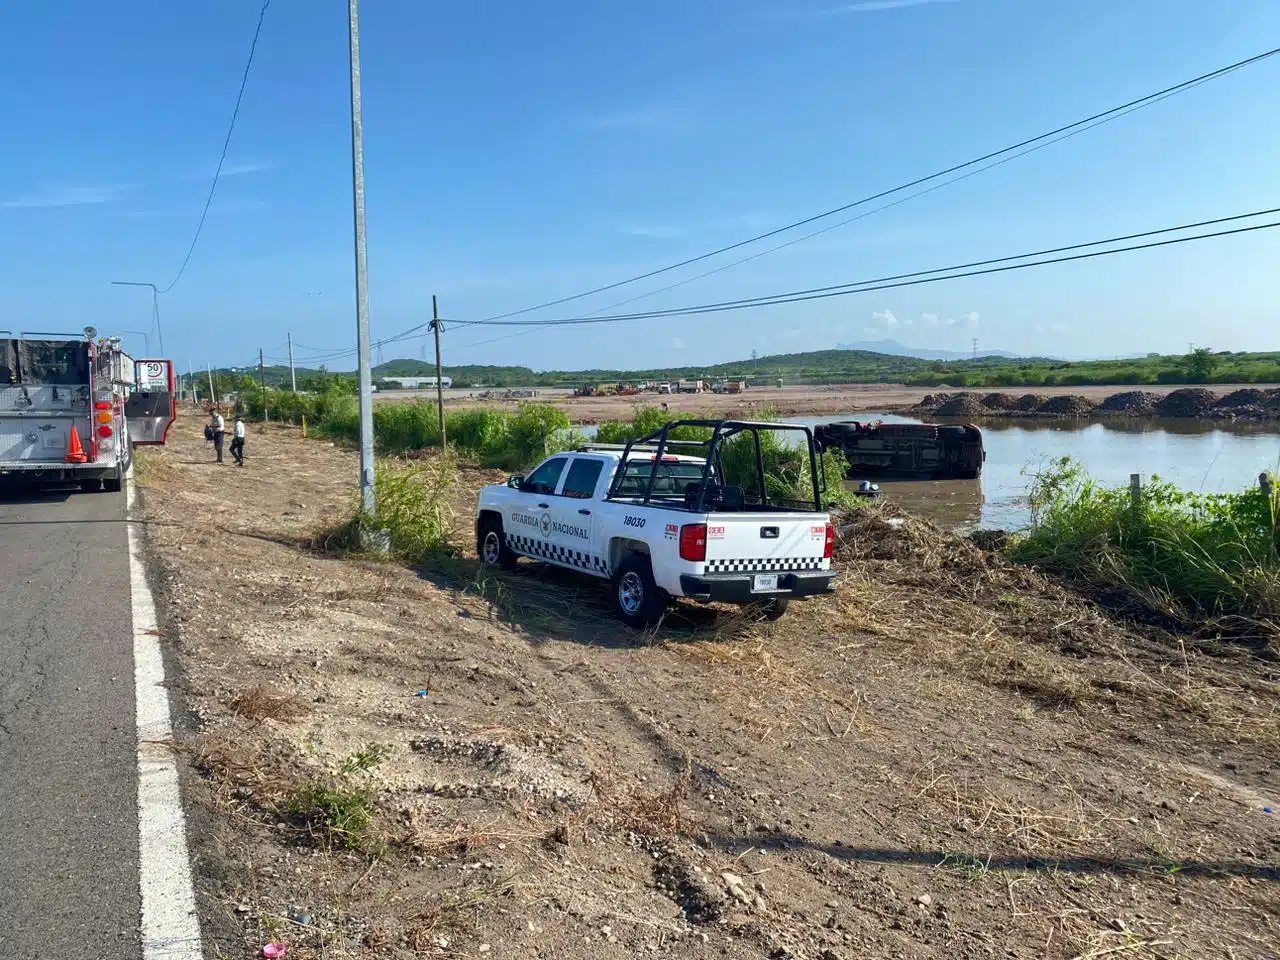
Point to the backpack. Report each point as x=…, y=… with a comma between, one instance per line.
x=208, y=432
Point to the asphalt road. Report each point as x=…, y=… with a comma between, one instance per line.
x=68, y=739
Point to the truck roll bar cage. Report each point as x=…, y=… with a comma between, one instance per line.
x=710, y=450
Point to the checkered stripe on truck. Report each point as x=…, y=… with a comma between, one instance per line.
x=542, y=550
x=765, y=565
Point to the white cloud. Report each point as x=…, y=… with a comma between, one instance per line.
x=67, y=196
x=968, y=321
x=651, y=119
x=851, y=9
x=652, y=231
x=884, y=319
x=930, y=319
x=677, y=343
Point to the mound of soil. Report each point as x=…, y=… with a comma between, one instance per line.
x=931, y=401
x=1000, y=401
x=1068, y=405
x=962, y=405
x=1031, y=401
x=1247, y=397
x=1188, y=402
x=1131, y=401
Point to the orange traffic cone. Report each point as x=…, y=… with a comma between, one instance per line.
x=76, y=452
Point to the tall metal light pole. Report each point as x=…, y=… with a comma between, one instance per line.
x=155, y=305
x=146, y=340
x=368, y=493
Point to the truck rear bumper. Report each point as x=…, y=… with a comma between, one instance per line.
x=737, y=587
x=35, y=470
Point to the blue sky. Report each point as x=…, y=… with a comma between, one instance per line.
x=516, y=153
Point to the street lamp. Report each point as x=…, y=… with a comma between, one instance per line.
x=146, y=340
x=155, y=305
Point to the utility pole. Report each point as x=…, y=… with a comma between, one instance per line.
x=435, y=326
x=368, y=484
x=213, y=391
x=262, y=384
x=191, y=382
x=293, y=376
x=155, y=304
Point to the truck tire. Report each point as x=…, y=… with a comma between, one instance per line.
x=491, y=545
x=636, y=597
x=771, y=609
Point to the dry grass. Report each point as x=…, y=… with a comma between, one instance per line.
x=260, y=703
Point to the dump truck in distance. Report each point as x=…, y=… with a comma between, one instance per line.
x=73, y=409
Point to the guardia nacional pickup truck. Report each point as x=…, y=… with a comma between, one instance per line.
x=660, y=518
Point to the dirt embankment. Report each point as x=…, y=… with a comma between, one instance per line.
x=1183, y=403
x=814, y=401
x=950, y=757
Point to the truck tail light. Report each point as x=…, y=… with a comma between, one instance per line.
x=104, y=431
x=829, y=548
x=102, y=405
x=693, y=541
x=104, y=416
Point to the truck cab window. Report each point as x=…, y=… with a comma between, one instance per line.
x=584, y=474
x=545, y=479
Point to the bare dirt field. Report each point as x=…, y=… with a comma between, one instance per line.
x=797, y=401
x=951, y=757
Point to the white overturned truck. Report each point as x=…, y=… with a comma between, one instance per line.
x=72, y=409
x=660, y=522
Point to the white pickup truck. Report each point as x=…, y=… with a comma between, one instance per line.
x=662, y=524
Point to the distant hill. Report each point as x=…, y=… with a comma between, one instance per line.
x=893, y=348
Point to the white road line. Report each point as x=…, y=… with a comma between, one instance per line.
x=170, y=926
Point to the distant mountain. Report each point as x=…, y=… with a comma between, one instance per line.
x=893, y=348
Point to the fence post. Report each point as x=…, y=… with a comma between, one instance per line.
x=1135, y=492
x=1264, y=483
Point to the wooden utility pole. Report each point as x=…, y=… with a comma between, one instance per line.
x=435, y=326
x=262, y=384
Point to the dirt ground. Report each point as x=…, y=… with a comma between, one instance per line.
x=800, y=401
x=950, y=757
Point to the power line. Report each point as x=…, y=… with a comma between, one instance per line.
x=226, y=142
x=924, y=276
x=1125, y=107
x=893, y=203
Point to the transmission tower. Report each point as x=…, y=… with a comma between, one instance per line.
x=975, y=348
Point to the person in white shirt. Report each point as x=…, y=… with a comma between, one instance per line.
x=219, y=433
x=237, y=442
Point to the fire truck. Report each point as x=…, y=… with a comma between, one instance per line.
x=72, y=409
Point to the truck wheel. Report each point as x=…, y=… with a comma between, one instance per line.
x=491, y=546
x=772, y=609
x=91, y=486
x=636, y=596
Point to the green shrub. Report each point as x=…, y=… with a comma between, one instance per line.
x=1182, y=553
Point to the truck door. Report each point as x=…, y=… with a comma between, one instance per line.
x=153, y=405
x=528, y=527
x=572, y=516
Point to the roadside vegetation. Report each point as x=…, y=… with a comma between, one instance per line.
x=1182, y=554
x=1201, y=365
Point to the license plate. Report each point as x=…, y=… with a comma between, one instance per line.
x=764, y=581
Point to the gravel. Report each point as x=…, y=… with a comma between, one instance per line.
x=962, y=405
x=1031, y=401
x=1131, y=401
x=1188, y=402
x=1000, y=401
x=1068, y=405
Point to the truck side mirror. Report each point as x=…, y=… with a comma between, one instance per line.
x=515, y=482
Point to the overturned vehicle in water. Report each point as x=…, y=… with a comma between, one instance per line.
x=915, y=451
